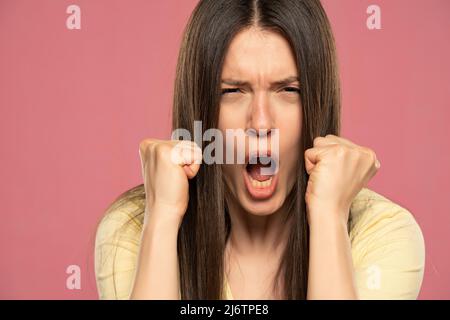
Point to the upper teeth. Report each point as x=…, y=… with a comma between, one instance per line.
x=261, y=184
x=260, y=159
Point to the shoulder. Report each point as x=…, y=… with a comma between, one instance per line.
x=117, y=244
x=123, y=217
x=374, y=214
x=388, y=242
x=125, y=211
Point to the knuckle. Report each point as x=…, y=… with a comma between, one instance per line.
x=161, y=149
x=339, y=150
x=369, y=153
x=317, y=140
x=144, y=145
x=197, y=147
x=355, y=153
x=307, y=152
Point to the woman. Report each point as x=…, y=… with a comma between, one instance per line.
x=216, y=231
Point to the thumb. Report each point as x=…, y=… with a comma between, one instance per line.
x=313, y=156
x=309, y=166
x=191, y=170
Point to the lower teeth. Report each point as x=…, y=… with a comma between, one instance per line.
x=261, y=184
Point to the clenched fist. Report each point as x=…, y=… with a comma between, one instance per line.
x=166, y=168
x=338, y=169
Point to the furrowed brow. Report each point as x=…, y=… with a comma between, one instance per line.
x=233, y=82
x=286, y=81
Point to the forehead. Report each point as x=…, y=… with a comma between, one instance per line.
x=256, y=54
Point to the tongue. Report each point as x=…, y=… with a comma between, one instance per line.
x=254, y=170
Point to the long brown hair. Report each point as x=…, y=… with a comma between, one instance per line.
x=206, y=225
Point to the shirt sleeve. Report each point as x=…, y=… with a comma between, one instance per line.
x=116, y=252
x=388, y=252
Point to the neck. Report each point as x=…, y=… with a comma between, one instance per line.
x=263, y=235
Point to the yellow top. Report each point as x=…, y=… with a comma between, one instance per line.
x=388, y=250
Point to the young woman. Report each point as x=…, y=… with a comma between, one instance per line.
x=312, y=230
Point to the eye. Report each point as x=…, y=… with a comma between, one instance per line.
x=230, y=90
x=292, y=89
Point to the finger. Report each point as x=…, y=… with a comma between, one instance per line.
x=336, y=139
x=377, y=164
x=181, y=155
x=374, y=171
x=186, y=143
x=143, y=146
x=309, y=166
x=313, y=156
x=190, y=146
x=373, y=156
x=191, y=170
x=322, y=141
x=192, y=155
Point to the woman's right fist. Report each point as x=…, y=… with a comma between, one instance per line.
x=166, y=167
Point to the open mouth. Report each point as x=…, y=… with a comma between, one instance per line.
x=260, y=176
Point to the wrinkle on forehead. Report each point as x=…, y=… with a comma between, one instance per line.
x=259, y=57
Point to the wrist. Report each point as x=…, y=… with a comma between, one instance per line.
x=162, y=218
x=328, y=217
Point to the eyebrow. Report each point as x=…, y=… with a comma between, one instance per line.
x=286, y=81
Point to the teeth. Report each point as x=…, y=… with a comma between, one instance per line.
x=261, y=184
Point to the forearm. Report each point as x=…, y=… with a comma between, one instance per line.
x=330, y=259
x=157, y=273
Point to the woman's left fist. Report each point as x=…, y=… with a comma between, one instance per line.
x=338, y=169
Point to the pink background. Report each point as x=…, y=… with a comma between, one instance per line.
x=75, y=104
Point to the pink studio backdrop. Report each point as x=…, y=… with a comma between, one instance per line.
x=75, y=103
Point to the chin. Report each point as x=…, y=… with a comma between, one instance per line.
x=262, y=207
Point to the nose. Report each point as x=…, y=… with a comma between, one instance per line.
x=261, y=119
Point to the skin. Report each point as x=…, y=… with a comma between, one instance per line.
x=258, y=233
x=338, y=170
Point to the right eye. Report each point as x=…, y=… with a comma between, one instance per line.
x=230, y=90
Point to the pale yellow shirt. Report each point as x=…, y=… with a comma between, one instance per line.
x=388, y=250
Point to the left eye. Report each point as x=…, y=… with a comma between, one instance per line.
x=230, y=90
x=292, y=89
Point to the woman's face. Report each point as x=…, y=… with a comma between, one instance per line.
x=254, y=97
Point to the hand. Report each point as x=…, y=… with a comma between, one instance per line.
x=338, y=169
x=166, y=168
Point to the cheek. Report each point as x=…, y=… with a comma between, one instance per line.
x=232, y=179
x=227, y=175
x=289, y=121
x=232, y=116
